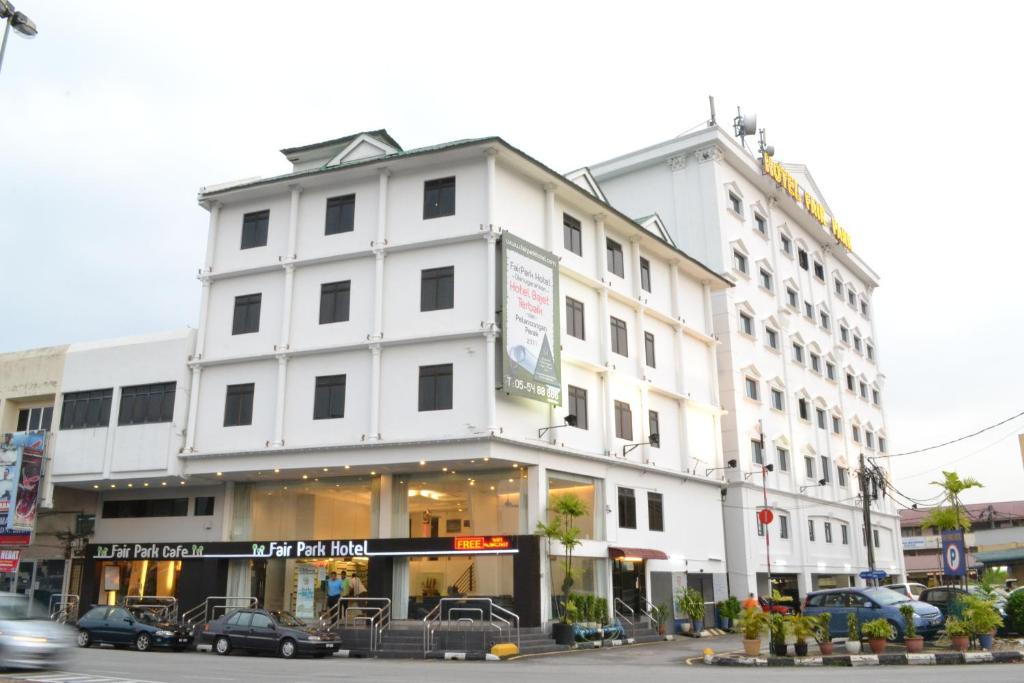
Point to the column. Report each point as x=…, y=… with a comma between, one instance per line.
x=709, y=329
x=550, y=221
x=374, y=433
x=384, y=516
x=204, y=308
x=645, y=426
x=491, y=181
x=193, y=408
x=490, y=327
x=377, y=323
x=211, y=235
x=282, y=382
x=293, y=221
x=537, y=503
x=286, y=309
x=634, y=243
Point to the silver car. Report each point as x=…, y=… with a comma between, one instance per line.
x=30, y=643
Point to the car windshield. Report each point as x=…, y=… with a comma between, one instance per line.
x=13, y=606
x=884, y=596
x=145, y=616
x=287, y=619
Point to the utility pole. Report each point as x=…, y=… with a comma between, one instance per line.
x=865, y=494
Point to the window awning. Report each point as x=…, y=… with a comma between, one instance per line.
x=636, y=554
x=1005, y=556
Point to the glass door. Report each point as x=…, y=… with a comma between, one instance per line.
x=629, y=582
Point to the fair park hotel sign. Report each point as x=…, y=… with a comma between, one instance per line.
x=781, y=176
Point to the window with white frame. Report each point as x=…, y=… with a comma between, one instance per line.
x=778, y=402
x=761, y=224
x=851, y=382
x=826, y=321
x=771, y=338
x=766, y=279
x=841, y=476
x=828, y=532
x=815, y=362
x=787, y=245
x=792, y=298
x=869, y=438
x=751, y=388
x=746, y=324
x=809, y=466
x=837, y=424
x=826, y=469
x=881, y=444
x=864, y=308
x=830, y=370
x=851, y=297
x=857, y=344
x=804, y=408
x=819, y=271
x=783, y=456
x=844, y=334
x=839, y=287
x=819, y=415
x=810, y=530
x=876, y=397
x=783, y=526
x=809, y=310
x=870, y=351
x=740, y=261
x=856, y=433
x=756, y=452
x=864, y=390
x=735, y=203
x=798, y=353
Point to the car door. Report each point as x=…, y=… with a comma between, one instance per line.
x=95, y=622
x=120, y=626
x=938, y=597
x=838, y=605
x=866, y=609
x=236, y=628
x=262, y=633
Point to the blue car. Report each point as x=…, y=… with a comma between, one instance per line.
x=138, y=628
x=870, y=604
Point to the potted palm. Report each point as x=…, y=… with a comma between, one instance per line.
x=753, y=621
x=852, y=634
x=803, y=627
x=563, y=531
x=777, y=628
x=822, y=632
x=878, y=631
x=982, y=619
x=660, y=614
x=691, y=603
x=728, y=611
x=913, y=642
x=959, y=633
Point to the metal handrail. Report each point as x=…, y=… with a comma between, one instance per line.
x=433, y=621
x=622, y=615
x=63, y=606
x=166, y=604
x=430, y=622
x=512, y=616
x=374, y=613
x=206, y=611
x=649, y=612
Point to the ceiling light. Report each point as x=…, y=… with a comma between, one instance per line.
x=163, y=483
x=487, y=459
x=113, y=486
x=305, y=476
x=373, y=474
x=182, y=483
x=423, y=462
x=348, y=467
x=146, y=484
x=511, y=480
x=220, y=474
x=325, y=469
x=95, y=486
x=130, y=485
x=444, y=469
x=276, y=470
x=492, y=488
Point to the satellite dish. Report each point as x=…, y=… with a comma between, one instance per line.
x=770, y=150
x=747, y=124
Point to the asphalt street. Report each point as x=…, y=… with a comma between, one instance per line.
x=654, y=661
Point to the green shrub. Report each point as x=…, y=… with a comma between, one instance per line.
x=753, y=622
x=1015, y=612
x=778, y=626
x=877, y=628
x=852, y=629
x=909, y=630
x=957, y=627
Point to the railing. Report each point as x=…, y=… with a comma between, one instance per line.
x=465, y=584
x=488, y=613
x=374, y=613
x=621, y=608
x=63, y=607
x=165, y=606
x=213, y=607
x=647, y=610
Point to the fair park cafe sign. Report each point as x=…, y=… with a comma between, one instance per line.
x=781, y=176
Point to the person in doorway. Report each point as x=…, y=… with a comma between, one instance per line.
x=355, y=587
x=335, y=586
x=346, y=584
x=750, y=602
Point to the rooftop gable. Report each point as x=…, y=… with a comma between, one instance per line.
x=585, y=179
x=348, y=148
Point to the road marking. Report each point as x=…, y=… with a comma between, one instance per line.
x=70, y=677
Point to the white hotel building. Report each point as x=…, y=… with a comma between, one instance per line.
x=798, y=361
x=345, y=383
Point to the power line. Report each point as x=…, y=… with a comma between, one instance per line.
x=968, y=436
x=931, y=470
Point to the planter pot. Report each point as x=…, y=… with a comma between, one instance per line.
x=986, y=640
x=877, y=645
x=915, y=644
x=779, y=649
x=853, y=647
x=685, y=627
x=752, y=648
x=724, y=623
x=825, y=647
x=960, y=643
x=661, y=629
x=677, y=625
x=564, y=634
x=800, y=648
x=698, y=626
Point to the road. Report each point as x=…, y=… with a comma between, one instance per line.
x=652, y=662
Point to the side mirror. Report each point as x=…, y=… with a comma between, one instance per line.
x=129, y=620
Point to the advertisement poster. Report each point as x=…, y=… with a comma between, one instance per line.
x=21, y=468
x=9, y=560
x=531, y=358
x=305, y=592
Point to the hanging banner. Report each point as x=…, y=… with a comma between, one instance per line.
x=21, y=469
x=305, y=592
x=531, y=347
x=9, y=560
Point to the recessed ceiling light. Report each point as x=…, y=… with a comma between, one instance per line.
x=163, y=483
x=487, y=459
x=95, y=486
x=373, y=474
x=423, y=462
x=113, y=486
x=511, y=480
x=220, y=474
x=277, y=469
x=305, y=476
x=146, y=484
x=182, y=483
x=492, y=488
x=348, y=467
x=129, y=485
x=444, y=469
x=515, y=466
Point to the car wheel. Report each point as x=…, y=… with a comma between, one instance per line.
x=222, y=646
x=143, y=642
x=287, y=649
x=895, y=633
x=84, y=639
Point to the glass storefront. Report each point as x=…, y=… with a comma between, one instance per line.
x=328, y=508
x=298, y=586
x=472, y=576
x=588, y=490
x=123, y=578
x=476, y=503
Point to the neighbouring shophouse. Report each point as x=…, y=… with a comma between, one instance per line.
x=403, y=358
x=996, y=539
x=799, y=357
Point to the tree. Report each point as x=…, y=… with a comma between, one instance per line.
x=562, y=529
x=952, y=515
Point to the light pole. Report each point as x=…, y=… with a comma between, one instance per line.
x=21, y=23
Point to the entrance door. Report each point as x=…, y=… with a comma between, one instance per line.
x=629, y=583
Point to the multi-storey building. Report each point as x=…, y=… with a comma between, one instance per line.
x=799, y=356
x=354, y=401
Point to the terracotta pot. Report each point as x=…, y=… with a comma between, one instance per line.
x=914, y=644
x=661, y=629
x=960, y=643
x=825, y=647
x=877, y=645
x=752, y=648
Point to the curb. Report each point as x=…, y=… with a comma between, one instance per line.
x=888, y=659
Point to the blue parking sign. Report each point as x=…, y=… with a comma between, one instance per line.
x=954, y=556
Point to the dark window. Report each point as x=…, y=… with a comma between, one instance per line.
x=851, y=382
x=837, y=425
x=787, y=245
x=83, y=409
x=645, y=274
x=146, y=403
x=334, y=301
x=809, y=466
x=874, y=534
x=655, y=512
x=828, y=532
x=578, y=406
x=746, y=324
x=735, y=203
x=761, y=223
x=830, y=371
x=760, y=527
x=819, y=271
x=159, y=507
x=254, y=229
x=783, y=526
x=756, y=451
x=31, y=419
x=96, y=613
x=772, y=337
x=615, y=263
x=247, y=314
x=826, y=470
x=820, y=415
x=574, y=321
x=783, y=459
x=572, y=235
x=439, y=198
x=437, y=289
x=805, y=409
x=741, y=261
x=238, y=405
x=841, y=476
x=653, y=428
x=203, y=506
x=845, y=534
x=23, y=416
x=435, y=387
x=627, y=509
x=620, y=338
x=766, y=279
x=802, y=258
x=341, y=212
x=329, y=397
x=623, y=421
x=649, y=349
x=810, y=529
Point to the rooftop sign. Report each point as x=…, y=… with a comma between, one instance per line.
x=783, y=179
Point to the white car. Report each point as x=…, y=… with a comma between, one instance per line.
x=910, y=590
x=30, y=643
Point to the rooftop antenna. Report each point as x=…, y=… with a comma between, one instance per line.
x=714, y=121
x=744, y=125
x=763, y=146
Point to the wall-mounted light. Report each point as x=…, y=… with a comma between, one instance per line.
x=821, y=482
x=652, y=440
x=729, y=465
x=765, y=469
x=570, y=421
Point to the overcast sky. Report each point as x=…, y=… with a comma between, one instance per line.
x=906, y=114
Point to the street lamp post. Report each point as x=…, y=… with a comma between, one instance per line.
x=16, y=20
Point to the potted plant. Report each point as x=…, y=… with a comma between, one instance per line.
x=691, y=603
x=982, y=619
x=913, y=642
x=822, y=632
x=753, y=621
x=959, y=633
x=852, y=634
x=562, y=530
x=803, y=627
x=878, y=631
x=728, y=611
x=777, y=628
x=660, y=614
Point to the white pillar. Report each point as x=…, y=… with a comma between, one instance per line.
x=286, y=307
x=211, y=235
x=204, y=309
x=490, y=327
x=489, y=154
x=634, y=243
x=550, y=223
x=193, y=409
x=709, y=329
x=374, y=432
x=609, y=413
x=293, y=221
x=282, y=382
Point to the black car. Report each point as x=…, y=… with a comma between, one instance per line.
x=944, y=596
x=124, y=627
x=260, y=630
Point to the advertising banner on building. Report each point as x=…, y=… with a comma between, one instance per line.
x=21, y=469
x=9, y=560
x=531, y=347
